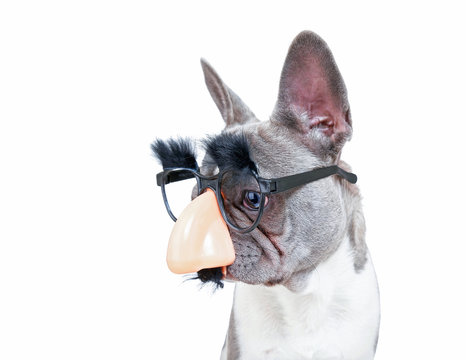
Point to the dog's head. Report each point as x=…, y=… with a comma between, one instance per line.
x=310, y=124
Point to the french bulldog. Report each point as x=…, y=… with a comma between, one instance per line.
x=305, y=284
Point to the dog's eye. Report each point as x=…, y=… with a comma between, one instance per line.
x=252, y=200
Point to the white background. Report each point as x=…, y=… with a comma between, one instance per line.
x=86, y=86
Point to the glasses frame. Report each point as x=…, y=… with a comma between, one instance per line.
x=267, y=186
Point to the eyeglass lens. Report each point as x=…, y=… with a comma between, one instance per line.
x=241, y=197
x=180, y=193
x=239, y=189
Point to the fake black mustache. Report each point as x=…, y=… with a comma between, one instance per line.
x=213, y=275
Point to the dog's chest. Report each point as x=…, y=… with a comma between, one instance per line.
x=336, y=316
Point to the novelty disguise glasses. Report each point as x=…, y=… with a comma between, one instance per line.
x=241, y=194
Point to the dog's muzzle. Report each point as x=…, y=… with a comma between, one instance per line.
x=200, y=238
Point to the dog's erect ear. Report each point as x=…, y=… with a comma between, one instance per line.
x=312, y=96
x=233, y=109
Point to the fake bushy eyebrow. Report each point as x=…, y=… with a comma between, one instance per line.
x=180, y=152
x=229, y=151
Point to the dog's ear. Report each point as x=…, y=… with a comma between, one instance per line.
x=312, y=96
x=233, y=109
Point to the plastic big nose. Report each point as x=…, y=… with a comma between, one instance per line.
x=200, y=238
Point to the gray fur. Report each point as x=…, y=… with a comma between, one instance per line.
x=301, y=227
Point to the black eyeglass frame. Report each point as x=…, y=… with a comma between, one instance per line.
x=267, y=186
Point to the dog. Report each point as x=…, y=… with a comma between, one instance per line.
x=305, y=283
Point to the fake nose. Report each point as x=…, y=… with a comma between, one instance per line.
x=200, y=238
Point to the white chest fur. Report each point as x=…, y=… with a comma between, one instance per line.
x=335, y=317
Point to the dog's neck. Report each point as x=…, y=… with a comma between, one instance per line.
x=324, y=286
x=315, y=319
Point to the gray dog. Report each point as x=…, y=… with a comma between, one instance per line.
x=305, y=283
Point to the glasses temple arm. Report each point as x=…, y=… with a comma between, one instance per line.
x=350, y=177
x=288, y=182
x=173, y=177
